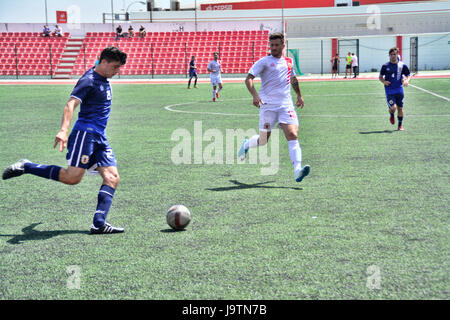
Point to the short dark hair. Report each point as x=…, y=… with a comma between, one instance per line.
x=276, y=35
x=111, y=54
x=393, y=49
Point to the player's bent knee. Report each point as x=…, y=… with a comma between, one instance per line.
x=111, y=179
x=67, y=178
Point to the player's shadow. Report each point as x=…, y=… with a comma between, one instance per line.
x=172, y=230
x=372, y=132
x=239, y=186
x=30, y=234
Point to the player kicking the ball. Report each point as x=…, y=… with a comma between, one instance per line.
x=393, y=75
x=87, y=145
x=215, y=75
x=275, y=103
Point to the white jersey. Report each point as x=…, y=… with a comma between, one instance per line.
x=275, y=74
x=214, y=65
x=354, y=61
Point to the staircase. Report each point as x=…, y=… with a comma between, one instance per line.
x=68, y=58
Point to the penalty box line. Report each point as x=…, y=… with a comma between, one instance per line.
x=430, y=92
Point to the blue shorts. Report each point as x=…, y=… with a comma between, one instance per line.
x=396, y=98
x=192, y=73
x=89, y=150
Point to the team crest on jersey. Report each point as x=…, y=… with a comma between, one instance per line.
x=272, y=64
x=84, y=159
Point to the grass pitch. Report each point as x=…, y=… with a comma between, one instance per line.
x=370, y=221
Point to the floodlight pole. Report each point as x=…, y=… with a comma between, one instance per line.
x=195, y=10
x=46, y=16
x=112, y=15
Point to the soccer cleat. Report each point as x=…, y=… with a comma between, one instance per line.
x=188, y=88
x=400, y=128
x=106, y=228
x=214, y=99
x=195, y=87
x=301, y=173
x=15, y=170
x=217, y=95
x=242, y=153
x=392, y=118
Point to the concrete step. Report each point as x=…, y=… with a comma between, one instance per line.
x=75, y=43
x=61, y=76
x=68, y=59
x=63, y=71
x=65, y=65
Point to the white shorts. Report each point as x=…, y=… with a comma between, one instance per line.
x=216, y=80
x=269, y=115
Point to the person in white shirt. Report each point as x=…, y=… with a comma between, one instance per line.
x=215, y=70
x=355, y=65
x=57, y=32
x=274, y=101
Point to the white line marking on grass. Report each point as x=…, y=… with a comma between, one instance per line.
x=169, y=108
x=432, y=93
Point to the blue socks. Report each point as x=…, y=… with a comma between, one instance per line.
x=105, y=197
x=42, y=170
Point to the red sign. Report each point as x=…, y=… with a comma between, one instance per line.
x=61, y=16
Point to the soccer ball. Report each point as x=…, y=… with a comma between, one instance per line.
x=178, y=217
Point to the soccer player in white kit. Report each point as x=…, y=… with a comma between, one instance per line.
x=275, y=103
x=215, y=75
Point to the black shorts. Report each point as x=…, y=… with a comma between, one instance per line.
x=348, y=66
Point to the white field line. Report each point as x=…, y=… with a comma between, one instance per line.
x=171, y=106
x=430, y=92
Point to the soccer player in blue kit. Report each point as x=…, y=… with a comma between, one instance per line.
x=192, y=72
x=87, y=145
x=393, y=75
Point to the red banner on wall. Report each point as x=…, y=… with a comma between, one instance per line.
x=61, y=16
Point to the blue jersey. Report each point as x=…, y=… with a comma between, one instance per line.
x=94, y=92
x=394, y=72
x=191, y=66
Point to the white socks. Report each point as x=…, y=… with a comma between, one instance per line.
x=252, y=142
x=295, y=152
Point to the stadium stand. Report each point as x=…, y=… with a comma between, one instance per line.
x=159, y=53
x=164, y=53
x=27, y=53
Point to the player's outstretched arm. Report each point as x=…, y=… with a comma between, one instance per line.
x=294, y=83
x=251, y=88
x=63, y=133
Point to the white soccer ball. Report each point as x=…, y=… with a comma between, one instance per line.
x=178, y=217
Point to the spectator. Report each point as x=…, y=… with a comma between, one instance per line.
x=57, y=32
x=130, y=32
x=142, y=32
x=355, y=65
x=348, y=65
x=118, y=32
x=46, y=31
x=335, y=65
